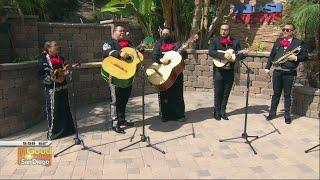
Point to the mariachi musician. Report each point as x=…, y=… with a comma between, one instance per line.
x=59, y=117
x=119, y=96
x=223, y=76
x=171, y=102
x=285, y=72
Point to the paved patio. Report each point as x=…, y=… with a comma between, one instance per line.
x=280, y=146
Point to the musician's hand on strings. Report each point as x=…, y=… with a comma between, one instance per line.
x=165, y=61
x=66, y=72
x=124, y=55
x=292, y=57
x=228, y=56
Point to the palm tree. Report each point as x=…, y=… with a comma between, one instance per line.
x=142, y=10
x=305, y=15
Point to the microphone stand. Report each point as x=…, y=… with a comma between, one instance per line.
x=245, y=135
x=143, y=136
x=309, y=150
x=77, y=139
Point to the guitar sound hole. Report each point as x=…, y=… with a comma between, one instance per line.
x=129, y=59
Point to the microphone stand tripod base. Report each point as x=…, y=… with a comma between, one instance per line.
x=144, y=139
x=143, y=136
x=244, y=136
x=78, y=141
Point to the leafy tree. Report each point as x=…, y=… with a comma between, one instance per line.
x=305, y=15
x=187, y=17
x=57, y=10
x=142, y=10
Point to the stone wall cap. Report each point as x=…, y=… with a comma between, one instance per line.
x=90, y=65
x=24, y=65
x=112, y=21
x=58, y=24
x=259, y=54
x=16, y=66
x=197, y=51
x=200, y=51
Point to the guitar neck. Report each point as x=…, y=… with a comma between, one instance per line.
x=241, y=51
x=185, y=45
x=181, y=49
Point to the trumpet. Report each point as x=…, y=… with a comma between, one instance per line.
x=284, y=59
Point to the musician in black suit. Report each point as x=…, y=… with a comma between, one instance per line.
x=58, y=114
x=223, y=76
x=119, y=96
x=171, y=102
x=285, y=73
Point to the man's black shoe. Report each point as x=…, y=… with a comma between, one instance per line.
x=288, y=120
x=224, y=116
x=126, y=123
x=270, y=117
x=217, y=116
x=118, y=129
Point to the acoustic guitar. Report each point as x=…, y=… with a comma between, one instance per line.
x=120, y=72
x=59, y=75
x=222, y=62
x=163, y=76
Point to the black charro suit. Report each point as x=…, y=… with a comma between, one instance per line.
x=284, y=74
x=223, y=77
x=119, y=96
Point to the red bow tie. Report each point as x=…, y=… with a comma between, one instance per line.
x=225, y=41
x=285, y=43
x=56, y=60
x=167, y=46
x=123, y=43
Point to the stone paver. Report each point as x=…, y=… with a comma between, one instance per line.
x=280, y=146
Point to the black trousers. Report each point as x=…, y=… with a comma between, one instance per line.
x=119, y=100
x=282, y=80
x=223, y=81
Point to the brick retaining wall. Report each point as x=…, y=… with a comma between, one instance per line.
x=306, y=101
x=28, y=37
x=198, y=74
x=86, y=39
x=22, y=95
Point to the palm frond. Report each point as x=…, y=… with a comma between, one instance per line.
x=307, y=16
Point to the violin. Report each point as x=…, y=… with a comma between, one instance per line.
x=59, y=74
